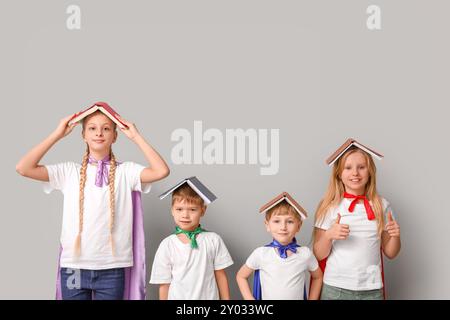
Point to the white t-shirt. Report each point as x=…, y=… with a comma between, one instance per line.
x=354, y=263
x=282, y=279
x=96, y=253
x=189, y=271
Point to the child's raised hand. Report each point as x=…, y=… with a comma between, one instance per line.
x=63, y=128
x=131, y=132
x=338, y=231
x=392, y=227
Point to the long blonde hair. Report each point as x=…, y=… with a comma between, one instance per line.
x=111, y=176
x=335, y=191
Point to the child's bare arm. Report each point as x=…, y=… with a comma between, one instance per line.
x=390, y=238
x=164, y=291
x=322, y=244
x=222, y=284
x=316, y=284
x=158, y=168
x=29, y=165
x=242, y=280
x=324, y=238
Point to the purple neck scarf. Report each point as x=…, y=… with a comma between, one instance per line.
x=101, y=178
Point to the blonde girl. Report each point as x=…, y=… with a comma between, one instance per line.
x=97, y=229
x=351, y=223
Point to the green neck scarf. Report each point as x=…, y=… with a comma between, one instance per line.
x=190, y=234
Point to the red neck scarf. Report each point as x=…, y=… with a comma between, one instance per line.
x=369, y=211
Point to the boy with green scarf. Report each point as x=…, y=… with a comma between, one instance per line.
x=190, y=263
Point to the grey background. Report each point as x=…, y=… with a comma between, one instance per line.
x=310, y=68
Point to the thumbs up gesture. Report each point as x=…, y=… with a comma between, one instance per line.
x=338, y=231
x=392, y=227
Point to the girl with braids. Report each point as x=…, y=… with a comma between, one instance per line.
x=101, y=209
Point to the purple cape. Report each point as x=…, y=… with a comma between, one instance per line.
x=135, y=285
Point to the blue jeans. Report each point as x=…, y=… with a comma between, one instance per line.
x=82, y=284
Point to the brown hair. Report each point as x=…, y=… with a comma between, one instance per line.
x=283, y=208
x=186, y=193
x=112, y=174
x=335, y=191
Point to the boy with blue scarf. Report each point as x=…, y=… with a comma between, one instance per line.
x=281, y=266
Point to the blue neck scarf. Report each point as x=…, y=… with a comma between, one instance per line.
x=282, y=249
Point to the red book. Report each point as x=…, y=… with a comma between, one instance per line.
x=99, y=106
x=347, y=144
x=284, y=196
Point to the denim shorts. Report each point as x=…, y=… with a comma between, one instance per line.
x=82, y=284
x=334, y=293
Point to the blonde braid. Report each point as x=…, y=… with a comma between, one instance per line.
x=112, y=174
x=77, y=246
